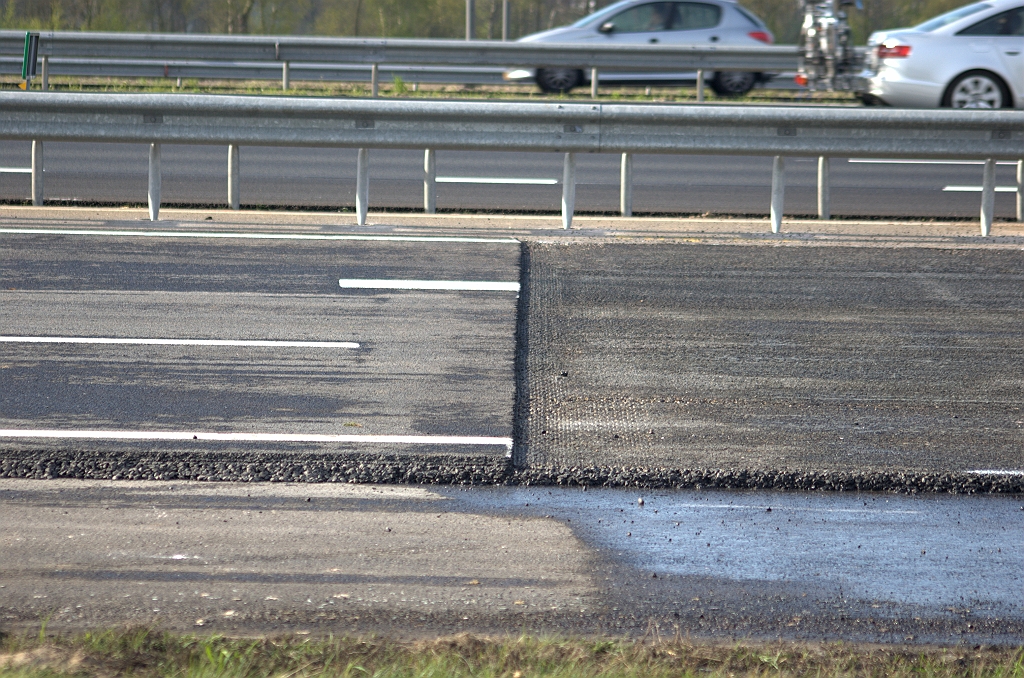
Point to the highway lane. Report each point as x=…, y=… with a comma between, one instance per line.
x=302, y=177
x=255, y=338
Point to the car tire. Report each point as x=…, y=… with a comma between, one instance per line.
x=733, y=83
x=558, y=80
x=977, y=89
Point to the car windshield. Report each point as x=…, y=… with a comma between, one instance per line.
x=600, y=14
x=949, y=17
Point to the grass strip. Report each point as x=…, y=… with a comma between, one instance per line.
x=398, y=89
x=146, y=652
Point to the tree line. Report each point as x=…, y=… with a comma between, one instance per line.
x=391, y=18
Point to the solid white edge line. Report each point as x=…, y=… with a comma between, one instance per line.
x=256, y=437
x=467, y=285
x=253, y=236
x=495, y=180
x=879, y=161
x=15, y=170
x=977, y=189
x=996, y=472
x=179, y=342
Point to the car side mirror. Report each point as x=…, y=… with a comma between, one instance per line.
x=606, y=27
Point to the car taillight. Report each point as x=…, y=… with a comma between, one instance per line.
x=761, y=36
x=800, y=79
x=890, y=51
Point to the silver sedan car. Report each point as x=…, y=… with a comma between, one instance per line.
x=971, y=57
x=633, y=22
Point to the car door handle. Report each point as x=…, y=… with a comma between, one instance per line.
x=714, y=38
x=653, y=40
x=1014, y=53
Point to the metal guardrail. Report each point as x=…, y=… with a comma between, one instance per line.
x=117, y=54
x=499, y=126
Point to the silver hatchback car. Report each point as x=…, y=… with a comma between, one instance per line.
x=632, y=22
x=971, y=57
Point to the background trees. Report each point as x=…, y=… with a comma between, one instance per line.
x=389, y=18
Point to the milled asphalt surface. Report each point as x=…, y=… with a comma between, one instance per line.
x=414, y=561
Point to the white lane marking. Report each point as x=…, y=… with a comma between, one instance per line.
x=179, y=342
x=996, y=472
x=256, y=437
x=15, y=170
x=873, y=161
x=252, y=236
x=977, y=189
x=471, y=285
x=775, y=507
x=496, y=180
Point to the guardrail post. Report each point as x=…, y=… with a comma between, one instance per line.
x=46, y=74
x=988, y=196
x=374, y=79
x=626, y=185
x=286, y=79
x=470, y=19
x=700, y=85
x=233, y=172
x=504, y=20
x=593, y=83
x=778, y=191
x=824, y=199
x=154, y=182
x=1020, y=190
x=568, y=189
x=429, y=182
x=37, y=173
x=362, y=184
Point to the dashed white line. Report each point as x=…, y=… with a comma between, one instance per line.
x=465, y=285
x=257, y=437
x=977, y=189
x=496, y=180
x=15, y=170
x=878, y=161
x=252, y=236
x=180, y=342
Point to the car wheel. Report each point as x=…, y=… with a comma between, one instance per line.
x=976, y=89
x=733, y=83
x=558, y=80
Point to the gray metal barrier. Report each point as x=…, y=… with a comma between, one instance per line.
x=567, y=128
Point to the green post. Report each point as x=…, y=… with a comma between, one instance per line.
x=28, y=61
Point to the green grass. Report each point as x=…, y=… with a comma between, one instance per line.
x=145, y=652
x=401, y=89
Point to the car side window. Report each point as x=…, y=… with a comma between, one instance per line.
x=654, y=16
x=1004, y=23
x=692, y=16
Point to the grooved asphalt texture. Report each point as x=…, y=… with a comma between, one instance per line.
x=682, y=364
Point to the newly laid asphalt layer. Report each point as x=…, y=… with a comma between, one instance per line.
x=414, y=561
x=685, y=356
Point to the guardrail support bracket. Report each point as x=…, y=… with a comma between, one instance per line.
x=594, y=80
x=154, y=182
x=626, y=185
x=286, y=79
x=429, y=182
x=824, y=199
x=374, y=80
x=362, y=184
x=778, y=191
x=568, y=189
x=37, y=173
x=700, y=85
x=988, y=196
x=46, y=74
x=233, y=176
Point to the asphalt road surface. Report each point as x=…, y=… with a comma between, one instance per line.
x=309, y=177
x=218, y=346
x=414, y=561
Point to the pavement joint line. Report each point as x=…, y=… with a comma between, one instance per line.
x=454, y=285
x=260, y=343
x=259, y=437
x=253, y=236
